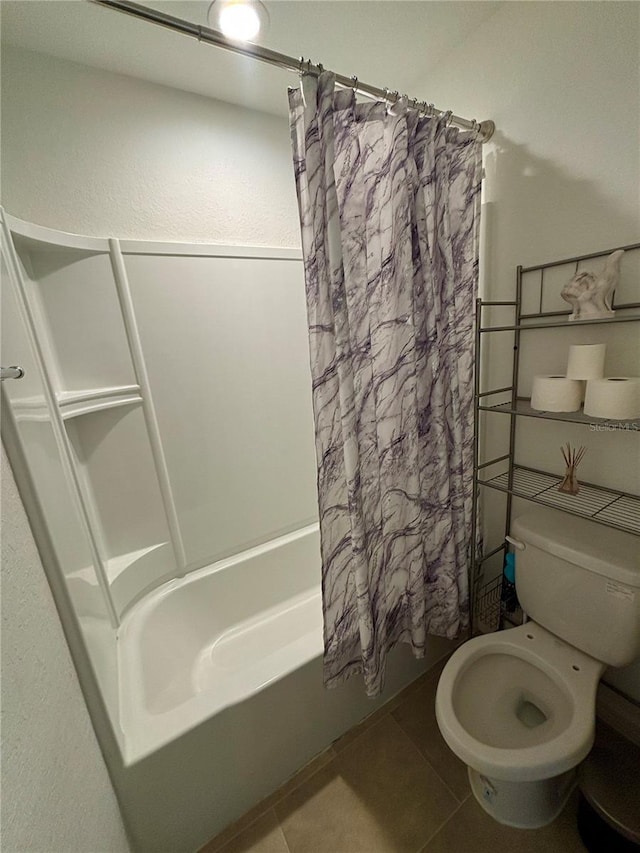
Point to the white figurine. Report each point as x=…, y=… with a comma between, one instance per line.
x=591, y=295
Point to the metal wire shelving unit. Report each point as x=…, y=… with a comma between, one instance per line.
x=603, y=505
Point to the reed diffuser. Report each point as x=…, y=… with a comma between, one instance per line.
x=572, y=458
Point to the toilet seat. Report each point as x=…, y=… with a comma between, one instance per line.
x=519, y=704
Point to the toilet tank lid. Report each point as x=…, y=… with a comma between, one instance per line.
x=612, y=553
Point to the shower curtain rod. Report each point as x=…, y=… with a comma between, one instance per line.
x=280, y=60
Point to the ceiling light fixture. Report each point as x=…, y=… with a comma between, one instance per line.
x=238, y=20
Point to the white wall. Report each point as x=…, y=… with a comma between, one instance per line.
x=562, y=82
x=110, y=155
x=56, y=794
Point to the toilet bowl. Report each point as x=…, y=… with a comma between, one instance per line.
x=518, y=706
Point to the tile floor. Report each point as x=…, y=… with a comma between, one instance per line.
x=389, y=785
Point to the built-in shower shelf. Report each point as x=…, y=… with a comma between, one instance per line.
x=27, y=235
x=115, y=566
x=73, y=404
x=606, y=506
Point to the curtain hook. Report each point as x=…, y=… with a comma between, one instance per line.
x=391, y=104
x=354, y=84
x=399, y=106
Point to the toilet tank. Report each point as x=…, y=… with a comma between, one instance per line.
x=581, y=581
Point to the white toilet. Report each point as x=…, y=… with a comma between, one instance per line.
x=518, y=706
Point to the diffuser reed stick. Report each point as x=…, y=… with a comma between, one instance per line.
x=572, y=458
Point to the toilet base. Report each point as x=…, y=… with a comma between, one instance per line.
x=524, y=805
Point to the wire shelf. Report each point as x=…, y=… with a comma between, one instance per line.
x=602, y=505
x=495, y=604
x=523, y=407
x=551, y=324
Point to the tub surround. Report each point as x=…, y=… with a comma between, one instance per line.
x=191, y=567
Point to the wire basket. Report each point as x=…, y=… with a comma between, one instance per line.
x=496, y=606
x=487, y=606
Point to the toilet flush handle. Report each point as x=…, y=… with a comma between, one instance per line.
x=517, y=544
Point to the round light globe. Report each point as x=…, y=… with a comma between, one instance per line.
x=239, y=21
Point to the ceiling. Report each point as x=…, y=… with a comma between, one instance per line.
x=390, y=43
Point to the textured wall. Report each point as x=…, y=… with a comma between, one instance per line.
x=110, y=155
x=56, y=794
x=561, y=80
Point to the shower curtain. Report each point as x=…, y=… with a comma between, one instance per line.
x=389, y=212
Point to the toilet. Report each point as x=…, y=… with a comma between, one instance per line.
x=518, y=706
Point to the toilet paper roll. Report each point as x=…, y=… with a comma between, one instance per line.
x=586, y=362
x=616, y=397
x=556, y=394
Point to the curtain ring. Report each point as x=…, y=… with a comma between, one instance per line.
x=476, y=127
x=301, y=75
x=448, y=115
x=354, y=84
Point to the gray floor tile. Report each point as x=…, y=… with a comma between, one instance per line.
x=262, y=836
x=471, y=830
x=417, y=717
x=377, y=796
x=234, y=829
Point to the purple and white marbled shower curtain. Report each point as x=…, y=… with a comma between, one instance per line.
x=389, y=211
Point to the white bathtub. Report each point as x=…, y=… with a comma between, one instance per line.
x=216, y=637
x=221, y=692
